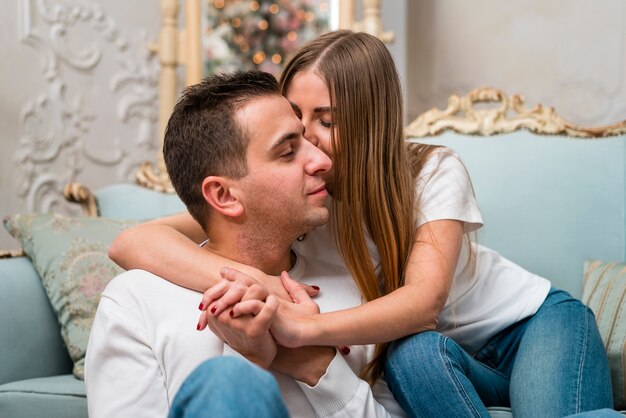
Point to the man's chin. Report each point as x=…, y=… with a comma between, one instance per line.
x=318, y=217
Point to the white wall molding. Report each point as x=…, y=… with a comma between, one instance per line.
x=95, y=121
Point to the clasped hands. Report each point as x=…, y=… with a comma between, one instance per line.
x=244, y=314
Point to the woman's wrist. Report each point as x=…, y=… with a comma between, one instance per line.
x=311, y=331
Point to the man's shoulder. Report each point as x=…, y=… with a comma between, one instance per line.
x=131, y=280
x=142, y=284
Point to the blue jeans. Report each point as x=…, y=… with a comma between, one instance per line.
x=552, y=364
x=229, y=387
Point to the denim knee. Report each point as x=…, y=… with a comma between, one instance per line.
x=561, y=363
x=216, y=387
x=414, y=346
x=421, y=353
x=421, y=367
x=557, y=296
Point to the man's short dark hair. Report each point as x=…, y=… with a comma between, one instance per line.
x=203, y=137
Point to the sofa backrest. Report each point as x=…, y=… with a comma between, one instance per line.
x=130, y=201
x=548, y=202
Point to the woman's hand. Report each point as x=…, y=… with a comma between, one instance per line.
x=237, y=287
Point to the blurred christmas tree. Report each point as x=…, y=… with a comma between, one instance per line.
x=260, y=34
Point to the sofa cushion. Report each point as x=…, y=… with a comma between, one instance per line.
x=51, y=397
x=71, y=256
x=604, y=291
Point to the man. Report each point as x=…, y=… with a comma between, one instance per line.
x=237, y=158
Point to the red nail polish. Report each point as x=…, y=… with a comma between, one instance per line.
x=201, y=306
x=316, y=287
x=198, y=326
x=345, y=350
x=232, y=314
x=213, y=309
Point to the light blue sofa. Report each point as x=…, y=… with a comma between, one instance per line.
x=35, y=369
x=549, y=203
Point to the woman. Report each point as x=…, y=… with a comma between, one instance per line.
x=400, y=220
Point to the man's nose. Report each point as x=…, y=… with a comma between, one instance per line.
x=318, y=161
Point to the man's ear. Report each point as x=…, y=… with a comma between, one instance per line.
x=220, y=194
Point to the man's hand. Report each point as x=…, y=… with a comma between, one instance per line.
x=249, y=332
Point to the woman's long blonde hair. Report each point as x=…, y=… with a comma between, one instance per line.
x=373, y=185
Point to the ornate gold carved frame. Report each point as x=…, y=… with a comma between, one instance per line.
x=507, y=114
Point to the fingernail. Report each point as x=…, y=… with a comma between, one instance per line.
x=223, y=271
x=201, y=306
x=213, y=309
x=232, y=314
x=345, y=350
x=198, y=326
x=316, y=287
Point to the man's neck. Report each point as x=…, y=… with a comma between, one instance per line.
x=256, y=249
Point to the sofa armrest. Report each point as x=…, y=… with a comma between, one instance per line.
x=30, y=340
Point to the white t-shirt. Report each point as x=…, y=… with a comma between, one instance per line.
x=486, y=296
x=144, y=344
